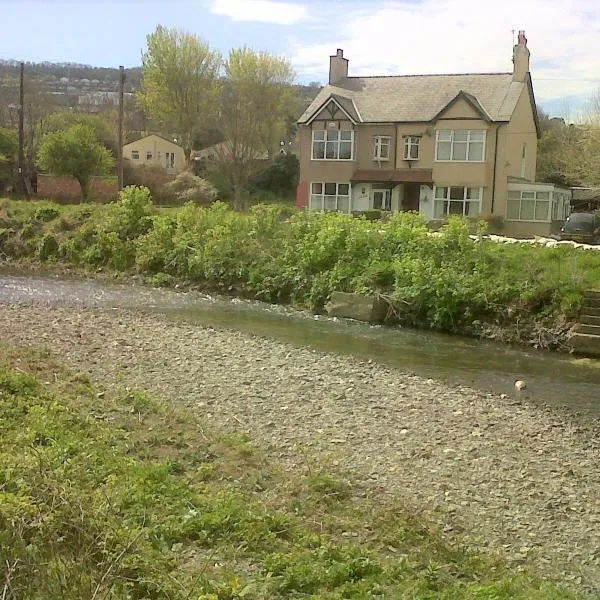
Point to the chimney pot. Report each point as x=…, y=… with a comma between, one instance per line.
x=520, y=58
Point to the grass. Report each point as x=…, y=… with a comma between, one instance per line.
x=124, y=496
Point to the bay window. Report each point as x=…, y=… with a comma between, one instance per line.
x=465, y=145
x=457, y=200
x=332, y=144
x=382, y=147
x=330, y=196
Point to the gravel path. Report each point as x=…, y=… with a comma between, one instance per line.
x=494, y=472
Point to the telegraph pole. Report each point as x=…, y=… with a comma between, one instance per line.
x=23, y=188
x=120, y=142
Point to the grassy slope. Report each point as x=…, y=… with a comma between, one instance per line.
x=127, y=497
x=513, y=292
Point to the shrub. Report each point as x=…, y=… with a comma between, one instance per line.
x=187, y=187
x=48, y=247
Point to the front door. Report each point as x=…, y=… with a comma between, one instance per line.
x=412, y=192
x=382, y=199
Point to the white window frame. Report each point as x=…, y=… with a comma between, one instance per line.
x=446, y=199
x=135, y=155
x=468, y=142
x=334, y=143
x=317, y=199
x=549, y=200
x=410, y=142
x=380, y=142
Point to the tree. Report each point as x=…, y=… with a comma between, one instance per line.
x=104, y=130
x=257, y=97
x=9, y=149
x=75, y=152
x=180, y=83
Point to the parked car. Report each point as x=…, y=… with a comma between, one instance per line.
x=582, y=227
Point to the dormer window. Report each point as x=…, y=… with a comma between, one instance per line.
x=412, y=143
x=382, y=146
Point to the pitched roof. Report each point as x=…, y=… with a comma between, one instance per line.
x=162, y=137
x=420, y=98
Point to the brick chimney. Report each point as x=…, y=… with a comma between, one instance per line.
x=520, y=58
x=338, y=67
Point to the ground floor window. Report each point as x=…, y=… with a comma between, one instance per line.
x=455, y=200
x=330, y=196
x=522, y=205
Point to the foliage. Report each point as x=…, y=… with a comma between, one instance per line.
x=153, y=177
x=442, y=280
x=123, y=496
x=75, y=152
x=280, y=178
x=187, y=187
x=103, y=132
x=179, y=82
x=9, y=148
x=256, y=100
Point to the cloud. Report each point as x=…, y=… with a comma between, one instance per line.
x=265, y=11
x=458, y=36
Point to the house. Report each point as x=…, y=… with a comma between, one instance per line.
x=155, y=151
x=437, y=144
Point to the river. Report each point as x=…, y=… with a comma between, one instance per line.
x=552, y=379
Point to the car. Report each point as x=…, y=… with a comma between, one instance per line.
x=581, y=227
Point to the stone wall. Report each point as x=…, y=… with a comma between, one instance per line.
x=67, y=189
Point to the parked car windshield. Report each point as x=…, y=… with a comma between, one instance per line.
x=580, y=221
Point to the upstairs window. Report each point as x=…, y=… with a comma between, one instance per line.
x=332, y=144
x=412, y=144
x=460, y=145
x=382, y=146
x=135, y=155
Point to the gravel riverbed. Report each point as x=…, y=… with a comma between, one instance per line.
x=496, y=473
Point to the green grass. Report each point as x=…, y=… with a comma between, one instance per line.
x=124, y=496
x=273, y=253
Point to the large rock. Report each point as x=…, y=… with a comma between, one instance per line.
x=371, y=309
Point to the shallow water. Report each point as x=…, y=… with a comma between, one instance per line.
x=553, y=379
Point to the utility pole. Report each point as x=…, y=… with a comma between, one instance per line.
x=23, y=188
x=120, y=142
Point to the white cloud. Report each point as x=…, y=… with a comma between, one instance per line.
x=265, y=11
x=457, y=36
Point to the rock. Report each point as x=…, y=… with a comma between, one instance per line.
x=370, y=309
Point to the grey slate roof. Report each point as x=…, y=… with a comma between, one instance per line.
x=419, y=98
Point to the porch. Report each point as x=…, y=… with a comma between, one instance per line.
x=535, y=208
x=394, y=190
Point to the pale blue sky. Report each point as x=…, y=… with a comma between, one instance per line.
x=378, y=36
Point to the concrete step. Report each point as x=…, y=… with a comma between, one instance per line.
x=591, y=302
x=589, y=320
x=590, y=312
x=589, y=329
x=586, y=344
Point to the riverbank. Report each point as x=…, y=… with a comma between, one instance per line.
x=492, y=472
x=447, y=282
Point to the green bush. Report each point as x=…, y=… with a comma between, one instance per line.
x=48, y=247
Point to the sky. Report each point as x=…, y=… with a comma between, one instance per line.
x=379, y=37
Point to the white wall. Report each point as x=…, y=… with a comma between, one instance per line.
x=361, y=200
